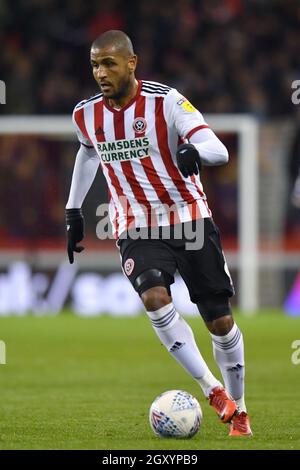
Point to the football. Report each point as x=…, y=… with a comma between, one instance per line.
x=175, y=413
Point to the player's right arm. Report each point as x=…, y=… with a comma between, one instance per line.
x=85, y=169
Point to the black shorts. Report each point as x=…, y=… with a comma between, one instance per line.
x=203, y=270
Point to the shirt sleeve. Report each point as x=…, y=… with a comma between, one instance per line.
x=85, y=169
x=181, y=114
x=78, y=122
x=211, y=150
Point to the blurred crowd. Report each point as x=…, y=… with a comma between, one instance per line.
x=226, y=56
x=34, y=179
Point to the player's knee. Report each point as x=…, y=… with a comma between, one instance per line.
x=221, y=326
x=155, y=298
x=153, y=286
x=216, y=312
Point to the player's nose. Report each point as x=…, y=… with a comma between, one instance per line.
x=101, y=73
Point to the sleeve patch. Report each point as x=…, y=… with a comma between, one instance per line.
x=186, y=105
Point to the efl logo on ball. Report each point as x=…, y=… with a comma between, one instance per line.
x=139, y=125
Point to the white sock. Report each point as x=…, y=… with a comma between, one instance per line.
x=177, y=336
x=229, y=355
x=241, y=404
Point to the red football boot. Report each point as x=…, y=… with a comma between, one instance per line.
x=240, y=425
x=223, y=404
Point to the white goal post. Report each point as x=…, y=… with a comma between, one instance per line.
x=246, y=127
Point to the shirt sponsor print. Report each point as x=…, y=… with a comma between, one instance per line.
x=123, y=149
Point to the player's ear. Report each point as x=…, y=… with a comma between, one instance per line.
x=132, y=62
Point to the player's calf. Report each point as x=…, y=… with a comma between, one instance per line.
x=155, y=298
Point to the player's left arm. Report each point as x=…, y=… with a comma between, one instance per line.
x=211, y=150
x=201, y=145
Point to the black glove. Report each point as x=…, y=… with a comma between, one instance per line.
x=75, y=231
x=188, y=160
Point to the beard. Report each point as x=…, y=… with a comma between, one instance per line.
x=121, y=92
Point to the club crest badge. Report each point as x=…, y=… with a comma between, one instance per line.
x=139, y=125
x=128, y=267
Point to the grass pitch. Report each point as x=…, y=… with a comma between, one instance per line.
x=74, y=383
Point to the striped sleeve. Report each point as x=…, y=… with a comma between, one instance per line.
x=181, y=114
x=79, y=124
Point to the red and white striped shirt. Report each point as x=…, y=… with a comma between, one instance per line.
x=136, y=146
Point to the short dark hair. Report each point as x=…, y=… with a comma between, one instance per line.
x=115, y=38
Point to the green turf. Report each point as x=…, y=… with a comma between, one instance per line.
x=73, y=383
